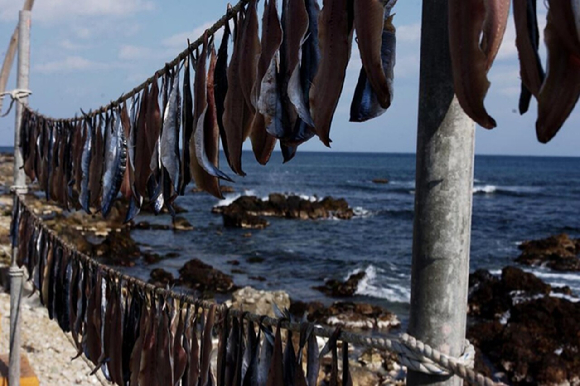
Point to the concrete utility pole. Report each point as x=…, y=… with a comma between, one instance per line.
x=443, y=200
x=16, y=274
x=10, y=53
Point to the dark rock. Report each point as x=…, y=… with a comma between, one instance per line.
x=522, y=332
x=347, y=314
x=118, y=248
x=380, y=181
x=145, y=225
x=203, y=277
x=181, y=224
x=161, y=277
x=172, y=255
x=150, y=257
x=237, y=271
x=336, y=288
x=257, y=278
x=233, y=262
x=247, y=209
x=560, y=253
x=255, y=259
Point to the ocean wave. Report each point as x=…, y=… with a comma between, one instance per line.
x=505, y=190
x=369, y=285
x=361, y=212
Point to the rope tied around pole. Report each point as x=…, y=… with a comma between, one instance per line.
x=17, y=95
x=411, y=352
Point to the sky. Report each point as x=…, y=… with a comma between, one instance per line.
x=85, y=53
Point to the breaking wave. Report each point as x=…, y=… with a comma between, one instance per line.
x=370, y=285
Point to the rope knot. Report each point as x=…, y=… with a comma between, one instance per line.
x=17, y=95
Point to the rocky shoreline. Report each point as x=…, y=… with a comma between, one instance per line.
x=525, y=331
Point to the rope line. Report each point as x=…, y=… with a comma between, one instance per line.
x=411, y=352
x=231, y=12
x=16, y=95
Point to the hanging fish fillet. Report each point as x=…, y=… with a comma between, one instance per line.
x=237, y=116
x=187, y=121
x=369, y=22
x=561, y=88
x=203, y=179
x=85, y=195
x=207, y=132
x=126, y=123
x=335, y=32
x=170, y=134
x=494, y=26
x=142, y=151
x=97, y=160
x=115, y=161
x=221, y=87
x=367, y=103
x=250, y=49
x=263, y=143
x=468, y=61
x=527, y=43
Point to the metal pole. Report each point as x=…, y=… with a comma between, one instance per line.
x=16, y=274
x=443, y=200
x=10, y=53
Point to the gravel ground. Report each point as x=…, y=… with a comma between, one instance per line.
x=48, y=349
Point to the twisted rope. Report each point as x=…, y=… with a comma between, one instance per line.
x=16, y=95
x=411, y=352
x=231, y=12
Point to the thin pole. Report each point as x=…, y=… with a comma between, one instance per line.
x=10, y=53
x=443, y=201
x=16, y=274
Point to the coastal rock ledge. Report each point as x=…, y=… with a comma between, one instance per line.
x=560, y=253
x=247, y=211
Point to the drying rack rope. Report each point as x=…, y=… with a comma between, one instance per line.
x=210, y=32
x=411, y=353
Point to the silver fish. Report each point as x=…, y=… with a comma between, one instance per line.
x=85, y=195
x=115, y=162
x=170, y=134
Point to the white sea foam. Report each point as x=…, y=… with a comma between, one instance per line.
x=228, y=199
x=369, y=286
x=491, y=189
x=487, y=189
x=361, y=212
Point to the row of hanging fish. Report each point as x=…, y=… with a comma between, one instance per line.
x=138, y=335
x=284, y=86
x=476, y=30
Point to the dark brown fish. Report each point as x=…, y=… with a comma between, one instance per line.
x=262, y=143
x=97, y=161
x=221, y=87
x=78, y=141
x=276, y=372
x=126, y=123
x=137, y=352
x=369, y=23
x=494, y=26
x=206, y=347
x=346, y=377
x=468, y=61
x=148, y=365
x=179, y=353
x=250, y=49
x=237, y=118
x=142, y=152
x=561, y=88
x=193, y=363
x=114, y=334
x=335, y=32
x=222, y=348
x=164, y=345
x=332, y=347
x=188, y=127
x=203, y=135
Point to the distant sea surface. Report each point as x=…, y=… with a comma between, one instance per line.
x=515, y=199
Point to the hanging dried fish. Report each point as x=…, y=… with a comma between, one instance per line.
x=527, y=43
x=276, y=371
x=378, y=43
x=206, y=135
x=221, y=87
x=131, y=328
x=251, y=356
x=126, y=123
x=170, y=134
x=335, y=33
x=136, y=199
x=222, y=348
x=206, y=348
x=187, y=119
x=237, y=118
x=312, y=364
x=85, y=196
x=179, y=352
x=561, y=88
x=470, y=60
x=250, y=49
x=331, y=347
x=193, y=363
x=97, y=160
x=200, y=164
x=115, y=162
x=113, y=333
x=147, y=311
x=142, y=151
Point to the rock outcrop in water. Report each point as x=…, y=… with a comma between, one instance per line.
x=525, y=333
x=349, y=315
x=203, y=277
x=246, y=211
x=339, y=289
x=560, y=253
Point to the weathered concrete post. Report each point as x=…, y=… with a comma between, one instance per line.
x=16, y=274
x=443, y=200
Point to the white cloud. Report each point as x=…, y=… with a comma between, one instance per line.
x=129, y=52
x=68, y=44
x=57, y=10
x=409, y=33
x=71, y=63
